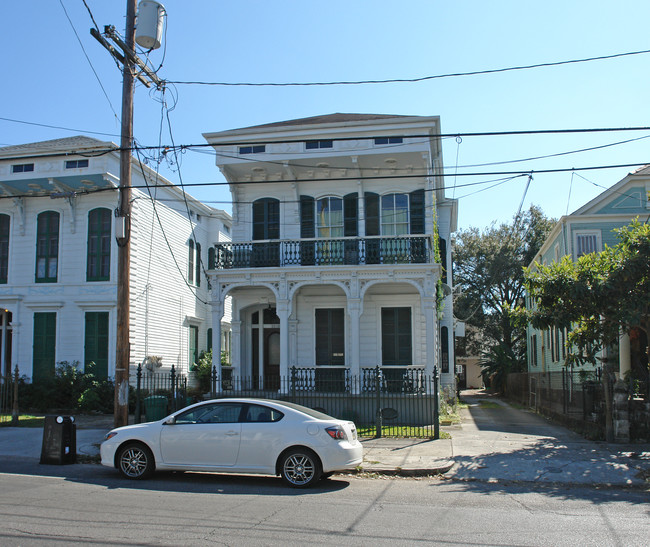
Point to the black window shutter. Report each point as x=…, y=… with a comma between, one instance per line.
x=416, y=199
x=350, y=214
x=372, y=214
x=259, y=223
x=307, y=230
x=307, y=217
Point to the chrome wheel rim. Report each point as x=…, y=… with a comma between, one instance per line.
x=299, y=469
x=133, y=462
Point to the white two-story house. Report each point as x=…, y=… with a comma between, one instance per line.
x=340, y=253
x=58, y=261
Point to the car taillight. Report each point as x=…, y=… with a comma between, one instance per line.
x=336, y=432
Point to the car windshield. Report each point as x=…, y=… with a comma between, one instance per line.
x=309, y=411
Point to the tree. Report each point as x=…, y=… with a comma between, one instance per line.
x=596, y=298
x=489, y=270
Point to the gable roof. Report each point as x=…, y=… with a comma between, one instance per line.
x=67, y=144
x=615, y=191
x=330, y=118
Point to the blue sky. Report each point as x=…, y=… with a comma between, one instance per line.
x=48, y=80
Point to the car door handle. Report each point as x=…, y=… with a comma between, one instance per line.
x=231, y=433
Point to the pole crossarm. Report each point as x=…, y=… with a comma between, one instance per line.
x=146, y=75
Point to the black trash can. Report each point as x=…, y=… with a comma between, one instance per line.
x=59, y=440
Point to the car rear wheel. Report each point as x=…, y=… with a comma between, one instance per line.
x=300, y=468
x=135, y=461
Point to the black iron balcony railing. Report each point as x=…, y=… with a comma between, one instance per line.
x=322, y=252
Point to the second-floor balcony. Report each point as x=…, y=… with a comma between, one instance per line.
x=322, y=252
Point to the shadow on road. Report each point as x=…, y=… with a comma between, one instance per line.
x=171, y=481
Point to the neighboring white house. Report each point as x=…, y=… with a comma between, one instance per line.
x=332, y=267
x=588, y=230
x=58, y=261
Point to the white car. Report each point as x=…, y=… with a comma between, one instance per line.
x=237, y=436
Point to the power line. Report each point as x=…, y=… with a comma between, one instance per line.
x=183, y=147
x=59, y=127
x=88, y=58
x=413, y=80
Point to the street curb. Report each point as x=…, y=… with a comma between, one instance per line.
x=406, y=472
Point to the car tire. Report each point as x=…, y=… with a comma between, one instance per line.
x=300, y=468
x=135, y=461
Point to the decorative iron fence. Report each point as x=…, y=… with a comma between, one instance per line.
x=158, y=394
x=321, y=252
x=9, y=398
x=573, y=396
x=381, y=401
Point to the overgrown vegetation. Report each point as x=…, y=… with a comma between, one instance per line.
x=203, y=369
x=489, y=273
x=595, y=299
x=68, y=389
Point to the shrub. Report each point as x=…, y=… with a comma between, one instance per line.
x=69, y=389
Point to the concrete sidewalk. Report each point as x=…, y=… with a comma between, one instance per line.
x=495, y=442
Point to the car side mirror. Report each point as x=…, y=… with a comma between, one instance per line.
x=170, y=421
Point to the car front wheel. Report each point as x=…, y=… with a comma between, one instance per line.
x=135, y=461
x=300, y=468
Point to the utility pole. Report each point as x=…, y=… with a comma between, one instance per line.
x=129, y=61
x=123, y=354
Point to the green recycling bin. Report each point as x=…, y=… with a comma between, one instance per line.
x=155, y=408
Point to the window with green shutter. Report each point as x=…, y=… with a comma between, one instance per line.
x=47, y=247
x=98, y=267
x=194, y=344
x=44, y=348
x=96, y=343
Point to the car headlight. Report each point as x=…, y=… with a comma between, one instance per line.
x=110, y=435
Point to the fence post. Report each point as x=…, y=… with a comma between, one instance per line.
x=378, y=402
x=436, y=405
x=172, y=377
x=138, y=395
x=14, y=408
x=293, y=383
x=213, y=382
x=565, y=403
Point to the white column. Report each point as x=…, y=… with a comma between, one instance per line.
x=354, y=360
x=217, y=314
x=235, y=346
x=624, y=357
x=283, y=309
x=431, y=326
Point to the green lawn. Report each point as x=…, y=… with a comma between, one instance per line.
x=489, y=404
x=402, y=432
x=24, y=420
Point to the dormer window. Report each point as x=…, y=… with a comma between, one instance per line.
x=256, y=149
x=76, y=164
x=314, y=145
x=389, y=140
x=22, y=168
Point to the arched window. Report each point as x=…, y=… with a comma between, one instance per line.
x=98, y=267
x=394, y=214
x=47, y=247
x=329, y=217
